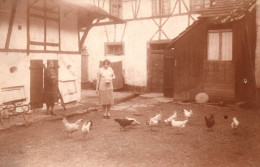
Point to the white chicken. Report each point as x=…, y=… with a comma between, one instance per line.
x=71, y=127
x=179, y=124
x=86, y=127
x=154, y=121
x=187, y=113
x=135, y=122
x=169, y=120
x=234, y=123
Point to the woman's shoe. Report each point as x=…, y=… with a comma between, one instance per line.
x=105, y=116
x=53, y=113
x=108, y=116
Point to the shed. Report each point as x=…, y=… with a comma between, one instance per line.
x=216, y=54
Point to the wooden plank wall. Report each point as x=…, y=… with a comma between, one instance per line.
x=189, y=53
x=219, y=80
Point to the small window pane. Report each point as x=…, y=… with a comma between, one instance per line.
x=213, y=46
x=227, y=46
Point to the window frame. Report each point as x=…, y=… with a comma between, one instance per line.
x=109, y=44
x=119, y=4
x=160, y=11
x=220, y=31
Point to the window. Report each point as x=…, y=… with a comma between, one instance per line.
x=198, y=5
x=161, y=7
x=220, y=45
x=115, y=8
x=114, y=49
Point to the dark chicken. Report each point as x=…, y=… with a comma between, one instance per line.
x=124, y=122
x=210, y=122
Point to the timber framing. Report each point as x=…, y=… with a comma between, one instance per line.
x=11, y=22
x=42, y=13
x=38, y=51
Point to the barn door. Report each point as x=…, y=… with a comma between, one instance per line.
x=36, y=83
x=157, y=71
x=168, y=74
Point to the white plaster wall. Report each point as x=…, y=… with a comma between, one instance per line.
x=19, y=36
x=18, y=78
x=69, y=32
x=20, y=60
x=5, y=13
x=137, y=35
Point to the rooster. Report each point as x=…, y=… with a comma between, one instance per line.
x=187, y=113
x=168, y=120
x=124, y=122
x=86, y=127
x=135, y=121
x=71, y=127
x=234, y=123
x=154, y=121
x=210, y=122
x=179, y=124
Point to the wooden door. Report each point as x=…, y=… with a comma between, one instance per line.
x=36, y=83
x=168, y=74
x=157, y=69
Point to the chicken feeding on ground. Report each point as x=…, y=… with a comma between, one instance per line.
x=179, y=124
x=124, y=122
x=234, y=123
x=210, y=122
x=86, y=127
x=154, y=121
x=187, y=113
x=135, y=121
x=71, y=127
x=169, y=120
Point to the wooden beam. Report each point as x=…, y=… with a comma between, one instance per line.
x=103, y=4
x=114, y=32
x=133, y=9
x=39, y=51
x=44, y=43
x=106, y=33
x=45, y=24
x=11, y=22
x=83, y=38
x=44, y=17
x=138, y=8
x=123, y=33
x=160, y=28
x=59, y=29
x=49, y=10
x=28, y=27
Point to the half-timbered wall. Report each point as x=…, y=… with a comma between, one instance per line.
x=30, y=31
x=141, y=27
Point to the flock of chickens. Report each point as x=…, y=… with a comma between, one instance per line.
x=153, y=122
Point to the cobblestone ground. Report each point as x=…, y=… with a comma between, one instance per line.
x=45, y=143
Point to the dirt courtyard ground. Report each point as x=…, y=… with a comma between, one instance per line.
x=46, y=144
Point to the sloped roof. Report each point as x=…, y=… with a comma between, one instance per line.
x=89, y=10
x=221, y=11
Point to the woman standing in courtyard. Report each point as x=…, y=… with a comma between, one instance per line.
x=104, y=87
x=50, y=88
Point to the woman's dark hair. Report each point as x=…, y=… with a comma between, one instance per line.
x=106, y=61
